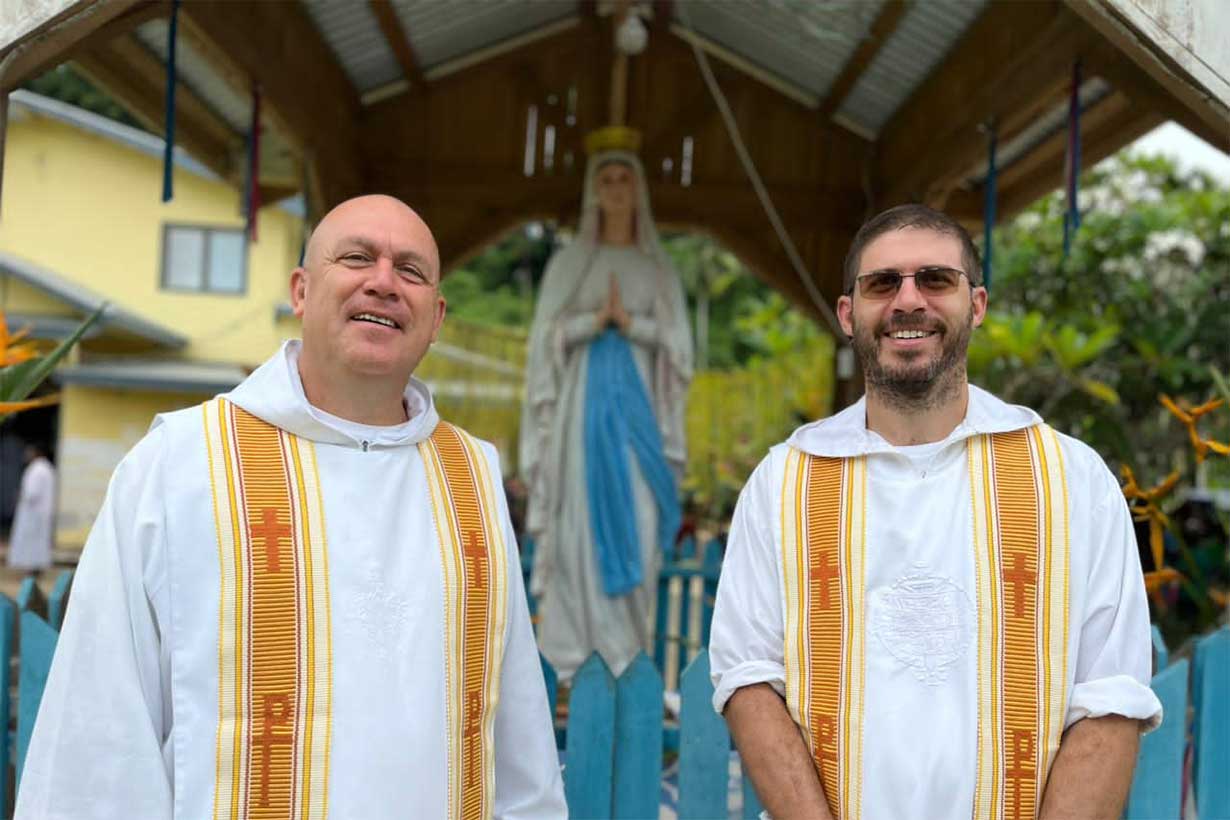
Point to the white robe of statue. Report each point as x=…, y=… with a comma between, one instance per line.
x=34, y=520
x=577, y=616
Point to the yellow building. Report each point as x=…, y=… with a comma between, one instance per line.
x=196, y=305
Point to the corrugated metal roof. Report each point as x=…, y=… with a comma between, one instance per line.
x=922, y=39
x=234, y=108
x=194, y=71
x=804, y=43
x=440, y=32
x=1041, y=129
x=354, y=35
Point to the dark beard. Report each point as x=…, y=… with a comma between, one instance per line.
x=913, y=387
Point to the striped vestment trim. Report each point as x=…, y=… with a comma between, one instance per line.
x=274, y=643
x=1020, y=539
x=474, y=563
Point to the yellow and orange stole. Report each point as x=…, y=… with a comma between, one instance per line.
x=274, y=645
x=1020, y=542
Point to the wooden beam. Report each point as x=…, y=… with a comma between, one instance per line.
x=1171, y=71
x=136, y=78
x=57, y=42
x=886, y=22
x=1103, y=132
x=393, y=32
x=1105, y=128
x=1125, y=75
x=305, y=93
x=1013, y=57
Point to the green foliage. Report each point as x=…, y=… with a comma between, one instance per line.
x=496, y=288
x=1138, y=309
x=18, y=381
x=66, y=84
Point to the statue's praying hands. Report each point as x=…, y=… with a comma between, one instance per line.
x=613, y=312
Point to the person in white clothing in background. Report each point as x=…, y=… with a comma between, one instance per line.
x=33, y=532
x=303, y=598
x=931, y=604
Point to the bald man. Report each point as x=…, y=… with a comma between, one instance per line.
x=302, y=598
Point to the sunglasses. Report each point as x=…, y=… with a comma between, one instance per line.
x=932, y=281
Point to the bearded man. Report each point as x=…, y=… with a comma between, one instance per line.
x=931, y=604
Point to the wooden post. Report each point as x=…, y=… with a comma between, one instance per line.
x=619, y=72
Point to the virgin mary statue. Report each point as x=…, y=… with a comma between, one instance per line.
x=602, y=432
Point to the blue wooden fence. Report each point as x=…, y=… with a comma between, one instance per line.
x=614, y=743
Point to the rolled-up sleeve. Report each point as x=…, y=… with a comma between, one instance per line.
x=746, y=642
x=1114, y=652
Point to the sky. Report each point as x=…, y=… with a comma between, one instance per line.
x=1186, y=148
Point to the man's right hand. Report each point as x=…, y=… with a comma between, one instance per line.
x=775, y=755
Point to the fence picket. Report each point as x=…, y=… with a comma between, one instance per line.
x=637, y=774
x=8, y=624
x=38, y=646
x=57, y=602
x=1211, y=693
x=1161, y=655
x=704, y=747
x=1157, y=788
x=30, y=597
x=752, y=806
x=590, y=756
x=551, y=681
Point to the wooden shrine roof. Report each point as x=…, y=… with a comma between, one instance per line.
x=474, y=111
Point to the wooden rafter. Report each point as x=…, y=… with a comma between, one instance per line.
x=1009, y=63
x=1166, y=71
x=1126, y=76
x=136, y=78
x=886, y=22
x=390, y=26
x=305, y=93
x=75, y=30
x=1104, y=130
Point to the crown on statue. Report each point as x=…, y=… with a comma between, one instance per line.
x=613, y=138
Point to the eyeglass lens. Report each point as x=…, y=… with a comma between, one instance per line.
x=884, y=283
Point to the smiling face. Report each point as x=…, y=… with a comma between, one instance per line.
x=369, y=293
x=615, y=185
x=912, y=345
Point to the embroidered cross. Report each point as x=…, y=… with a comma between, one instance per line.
x=473, y=726
x=1022, y=768
x=826, y=742
x=276, y=715
x=272, y=533
x=475, y=551
x=824, y=573
x=1020, y=578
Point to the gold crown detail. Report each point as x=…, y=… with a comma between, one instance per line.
x=613, y=138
